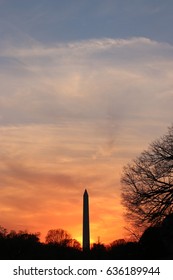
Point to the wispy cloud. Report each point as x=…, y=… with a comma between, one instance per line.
x=86, y=79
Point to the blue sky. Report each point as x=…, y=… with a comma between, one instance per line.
x=55, y=20
x=85, y=87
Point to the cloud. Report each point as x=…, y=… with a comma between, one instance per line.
x=87, y=79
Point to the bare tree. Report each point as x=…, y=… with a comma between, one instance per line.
x=58, y=236
x=147, y=191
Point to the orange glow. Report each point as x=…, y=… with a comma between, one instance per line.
x=45, y=170
x=44, y=190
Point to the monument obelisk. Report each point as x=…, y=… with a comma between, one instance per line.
x=86, y=228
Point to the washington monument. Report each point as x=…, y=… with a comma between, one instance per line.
x=86, y=229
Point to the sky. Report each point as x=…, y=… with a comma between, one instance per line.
x=86, y=86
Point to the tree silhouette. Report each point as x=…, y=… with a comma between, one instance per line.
x=62, y=238
x=157, y=242
x=3, y=232
x=98, y=251
x=147, y=191
x=58, y=236
x=120, y=249
x=151, y=243
x=18, y=245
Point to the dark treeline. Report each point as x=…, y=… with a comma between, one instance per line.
x=155, y=243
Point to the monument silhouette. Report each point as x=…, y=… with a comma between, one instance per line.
x=86, y=226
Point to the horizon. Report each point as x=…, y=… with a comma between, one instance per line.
x=79, y=239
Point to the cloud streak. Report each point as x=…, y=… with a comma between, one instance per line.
x=88, y=79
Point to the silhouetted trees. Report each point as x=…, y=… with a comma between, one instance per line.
x=3, y=232
x=18, y=245
x=24, y=245
x=155, y=243
x=148, y=183
x=58, y=236
x=62, y=238
x=98, y=251
x=121, y=249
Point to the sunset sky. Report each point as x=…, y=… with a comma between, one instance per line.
x=85, y=87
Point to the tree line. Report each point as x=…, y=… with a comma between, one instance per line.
x=155, y=243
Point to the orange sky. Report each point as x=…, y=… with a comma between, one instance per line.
x=45, y=169
x=44, y=176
